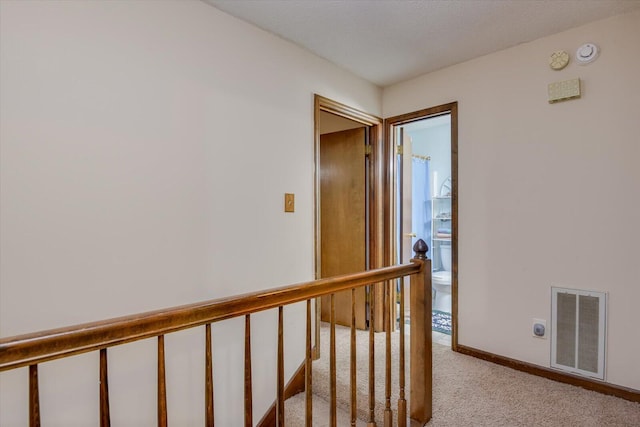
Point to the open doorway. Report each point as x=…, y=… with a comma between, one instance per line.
x=343, y=221
x=350, y=179
x=426, y=204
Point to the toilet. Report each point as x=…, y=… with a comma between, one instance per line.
x=441, y=281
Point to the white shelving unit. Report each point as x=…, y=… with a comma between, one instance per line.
x=441, y=220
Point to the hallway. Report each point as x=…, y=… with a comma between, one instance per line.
x=467, y=392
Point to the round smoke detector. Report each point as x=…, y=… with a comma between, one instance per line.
x=587, y=53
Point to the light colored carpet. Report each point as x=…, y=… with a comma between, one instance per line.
x=467, y=392
x=294, y=413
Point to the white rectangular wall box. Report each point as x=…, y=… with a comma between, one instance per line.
x=578, y=331
x=563, y=91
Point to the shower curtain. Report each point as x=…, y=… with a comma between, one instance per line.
x=421, y=201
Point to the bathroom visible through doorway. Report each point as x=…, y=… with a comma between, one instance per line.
x=426, y=202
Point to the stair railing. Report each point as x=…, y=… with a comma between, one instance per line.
x=30, y=350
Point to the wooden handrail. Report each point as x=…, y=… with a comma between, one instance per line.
x=30, y=349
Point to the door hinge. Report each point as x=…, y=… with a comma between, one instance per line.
x=399, y=149
x=367, y=150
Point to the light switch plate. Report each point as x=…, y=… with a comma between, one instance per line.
x=563, y=91
x=289, y=202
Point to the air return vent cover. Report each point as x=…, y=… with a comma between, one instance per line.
x=578, y=331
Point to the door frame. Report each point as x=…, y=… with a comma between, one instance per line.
x=376, y=173
x=392, y=197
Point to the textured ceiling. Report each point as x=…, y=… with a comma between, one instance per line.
x=388, y=41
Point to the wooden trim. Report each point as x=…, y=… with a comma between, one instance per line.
x=162, y=385
x=208, y=382
x=421, y=114
x=372, y=367
x=332, y=365
x=34, y=397
x=352, y=361
x=105, y=416
x=388, y=414
x=248, y=387
x=343, y=110
x=295, y=385
x=402, y=403
x=280, y=381
x=454, y=224
x=377, y=242
x=389, y=191
x=586, y=383
x=308, y=372
x=29, y=349
x=420, y=342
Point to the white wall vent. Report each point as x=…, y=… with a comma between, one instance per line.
x=578, y=331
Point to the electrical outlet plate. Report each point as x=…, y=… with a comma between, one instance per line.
x=563, y=91
x=539, y=328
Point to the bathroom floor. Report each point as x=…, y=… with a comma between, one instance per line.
x=436, y=337
x=440, y=338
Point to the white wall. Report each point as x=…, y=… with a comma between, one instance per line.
x=434, y=142
x=549, y=194
x=145, y=150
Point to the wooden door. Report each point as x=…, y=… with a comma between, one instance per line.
x=343, y=218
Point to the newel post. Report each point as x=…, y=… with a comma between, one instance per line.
x=420, y=399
